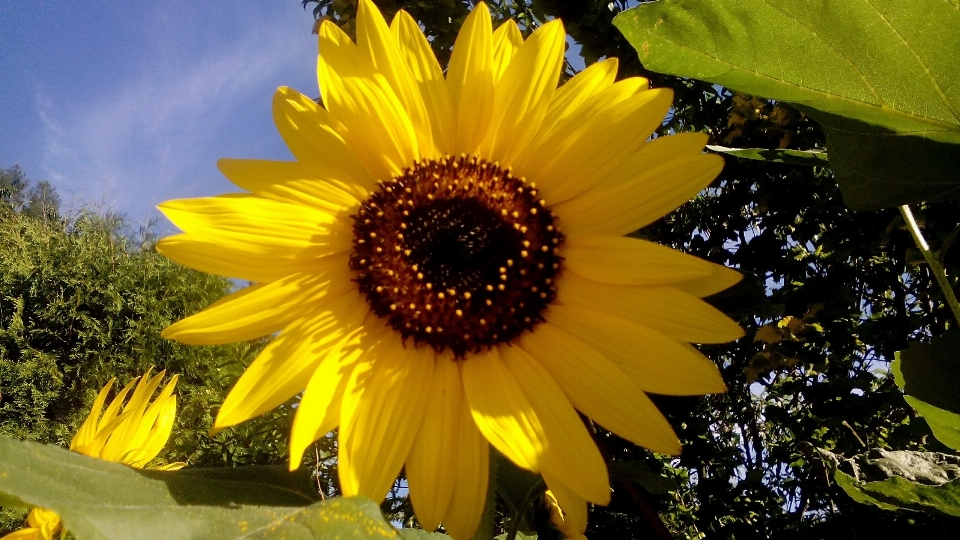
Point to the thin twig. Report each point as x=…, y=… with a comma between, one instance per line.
x=935, y=267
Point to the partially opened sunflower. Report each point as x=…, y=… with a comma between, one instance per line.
x=445, y=268
x=131, y=431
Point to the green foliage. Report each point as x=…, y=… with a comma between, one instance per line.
x=99, y=500
x=878, y=78
x=17, y=194
x=922, y=481
x=81, y=303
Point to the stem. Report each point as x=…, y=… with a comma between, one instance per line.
x=938, y=271
x=527, y=501
x=486, y=528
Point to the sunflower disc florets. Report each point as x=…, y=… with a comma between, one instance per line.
x=457, y=253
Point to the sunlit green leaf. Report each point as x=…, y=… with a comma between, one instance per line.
x=880, y=78
x=812, y=158
x=945, y=425
x=100, y=500
x=888, y=64
x=924, y=481
x=896, y=492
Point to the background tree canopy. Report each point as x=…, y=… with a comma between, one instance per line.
x=830, y=296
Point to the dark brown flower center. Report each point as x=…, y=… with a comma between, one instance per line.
x=456, y=253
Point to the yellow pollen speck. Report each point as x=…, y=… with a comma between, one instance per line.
x=467, y=295
x=459, y=313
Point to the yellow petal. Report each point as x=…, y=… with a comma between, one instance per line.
x=267, y=233
x=262, y=309
x=28, y=533
x=83, y=440
x=376, y=125
x=382, y=49
x=574, y=507
x=158, y=436
x=630, y=261
x=522, y=95
x=249, y=261
x=124, y=438
x=656, y=363
x=593, y=142
x=719, y=278
x=662, y=176
x=571, y=453
x=431, y=468
x=313, y=136
x=470, y=80
x=501, y=410
x=506, y=40
x=600, y=389
x=472, y=475
x=676, y=314
x=319, y=410
x=284, y=366
x=425, y=69
x=323, y=188
x=578, y=90
x=155, y=426
x=381, y=415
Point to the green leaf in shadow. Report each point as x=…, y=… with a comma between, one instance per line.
x=100, y=500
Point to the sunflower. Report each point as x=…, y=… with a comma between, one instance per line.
x=444, y=267
x=132, y=433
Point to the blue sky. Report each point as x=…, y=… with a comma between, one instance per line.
x=126, y=104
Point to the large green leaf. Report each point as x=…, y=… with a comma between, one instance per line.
x=880, y=77
x=945, y=425
x=923, y=481
x=890, y=64
x=878, y=169
x=99, y=500
x=930, y=372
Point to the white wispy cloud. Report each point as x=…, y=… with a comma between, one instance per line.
x=157, y=134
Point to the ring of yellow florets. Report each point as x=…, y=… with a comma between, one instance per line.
x=456, y=253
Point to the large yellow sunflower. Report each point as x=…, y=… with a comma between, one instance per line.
x=131, y=431
x=445, y=268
